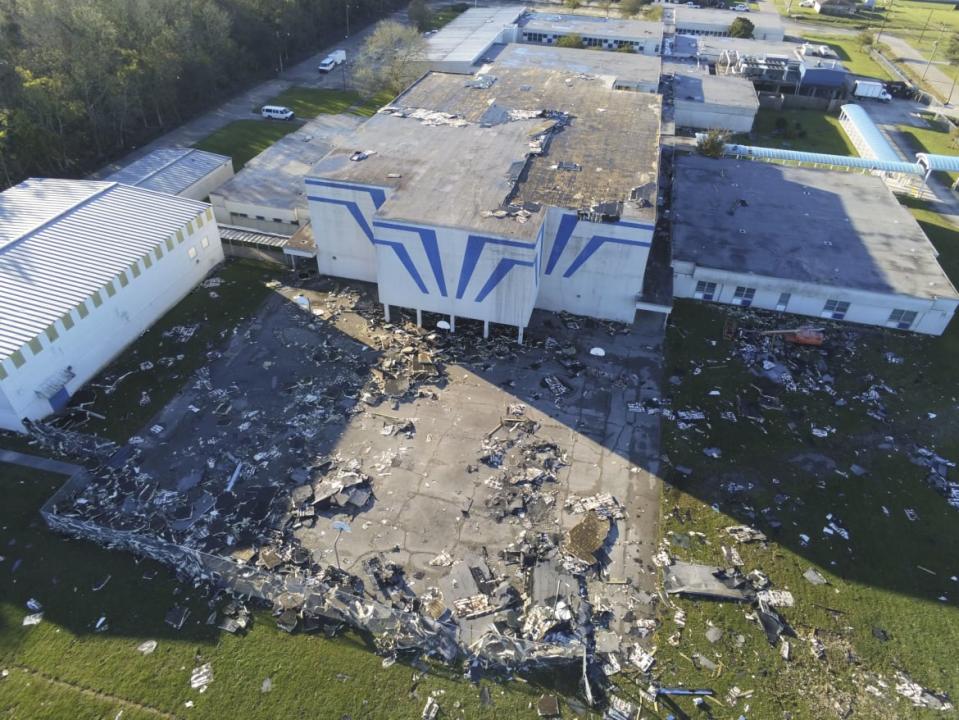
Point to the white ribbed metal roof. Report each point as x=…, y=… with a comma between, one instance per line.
x=764, y=153
x=945, y=163
x=169, y=170
x=62, y=240
x=246, y=236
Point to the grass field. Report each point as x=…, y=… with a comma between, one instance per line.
x=807, y=130
x=309, y=102
x=62, y=668
x=934, y=139
x=243, y=140
x=853, y=57
x=892, y=602
x=446, y=15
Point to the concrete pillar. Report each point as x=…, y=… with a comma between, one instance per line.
x=386, y=312
x=419, y=318
x=485, y=329
x=452, y=324
x=519, y=336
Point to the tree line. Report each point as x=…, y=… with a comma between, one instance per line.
x=83, y=81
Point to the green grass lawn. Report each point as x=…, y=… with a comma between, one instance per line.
x=934, y=139
x=807, y=130
x=853, y=57
x=61, y=668
x=368, y=106
x=880, y=611
x=309, y=102
x=243, y=140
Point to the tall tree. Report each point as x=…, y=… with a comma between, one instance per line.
x=391, y=58
x=420, y=15
x=741, y=28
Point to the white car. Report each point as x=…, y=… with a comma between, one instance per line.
x=277, y=112
x=807, y=3
x=740, y=8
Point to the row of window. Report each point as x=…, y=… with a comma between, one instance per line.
x=707, y=33
x=263, y=218
x=832, y=309
x=535, y=37
x=111, y=288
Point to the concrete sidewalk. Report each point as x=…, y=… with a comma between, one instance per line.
x=37, y=463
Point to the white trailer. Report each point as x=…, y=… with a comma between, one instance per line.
x=337, y=57
x=871, y=89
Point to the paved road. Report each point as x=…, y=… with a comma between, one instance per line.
x=242, y=106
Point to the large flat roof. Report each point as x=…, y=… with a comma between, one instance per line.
x=591, y=26
x=611, y=66
x=726, y=90
x=440, y=174
x=710, y=46
x=170, y=170
x=815, y=226
x=274, y=178
x=605, y=149
x=687, y=16
x=471, y=33
x=62, y=240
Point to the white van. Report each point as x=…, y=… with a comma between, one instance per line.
x=276, y=112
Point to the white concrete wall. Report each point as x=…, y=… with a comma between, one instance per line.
x=457, y=272
x=713, y=117
x=691, y=26
x=808, y=299
x=281, y=220
x=101, y=332
x=343, y=246
x=588, y=275
x=201, y=189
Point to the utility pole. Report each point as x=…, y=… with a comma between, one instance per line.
x=923, y=33
x=347, y=18
x=935, y=46
x=885, y=17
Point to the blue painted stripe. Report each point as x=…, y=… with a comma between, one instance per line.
x=474, y=248
x=377, y=194
x=563, y=234
x=499, y=272
x=644, y=226
x=594, y=244
x=354, y=211
x=430, y=247
x=404, y=257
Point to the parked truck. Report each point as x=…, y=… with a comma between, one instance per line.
x=871, y=89
x=337, y=57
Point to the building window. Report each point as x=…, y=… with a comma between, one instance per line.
x=17, y=358
x=783, y=301
x=835, y=309
x=97, y=300
x=147, y=261
x=123, y=279
x=158, y=252
x=52, y=333
x=744, y=296
x=192, y=252
x=82, y=310
x=179, y=236
x=901, y=319
x=205, y=243
x=199, y=220
x=169, y=244
x=135, y=269
x=35, y=347
x=705, y=290
x=67, y=321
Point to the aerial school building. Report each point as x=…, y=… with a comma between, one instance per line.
x=485, y=197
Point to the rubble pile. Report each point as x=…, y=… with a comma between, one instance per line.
x=241, y=482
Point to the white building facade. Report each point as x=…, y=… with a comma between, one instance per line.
x=107, y=261
x=565, y=263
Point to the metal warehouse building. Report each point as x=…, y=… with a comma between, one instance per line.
x=713, y=102
x=461, y=45
x=767, y=26
x=85, y=268
x=827, y=244
x=642, y=36
x=621, y=71
x=486, y=197
x=186, y=172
